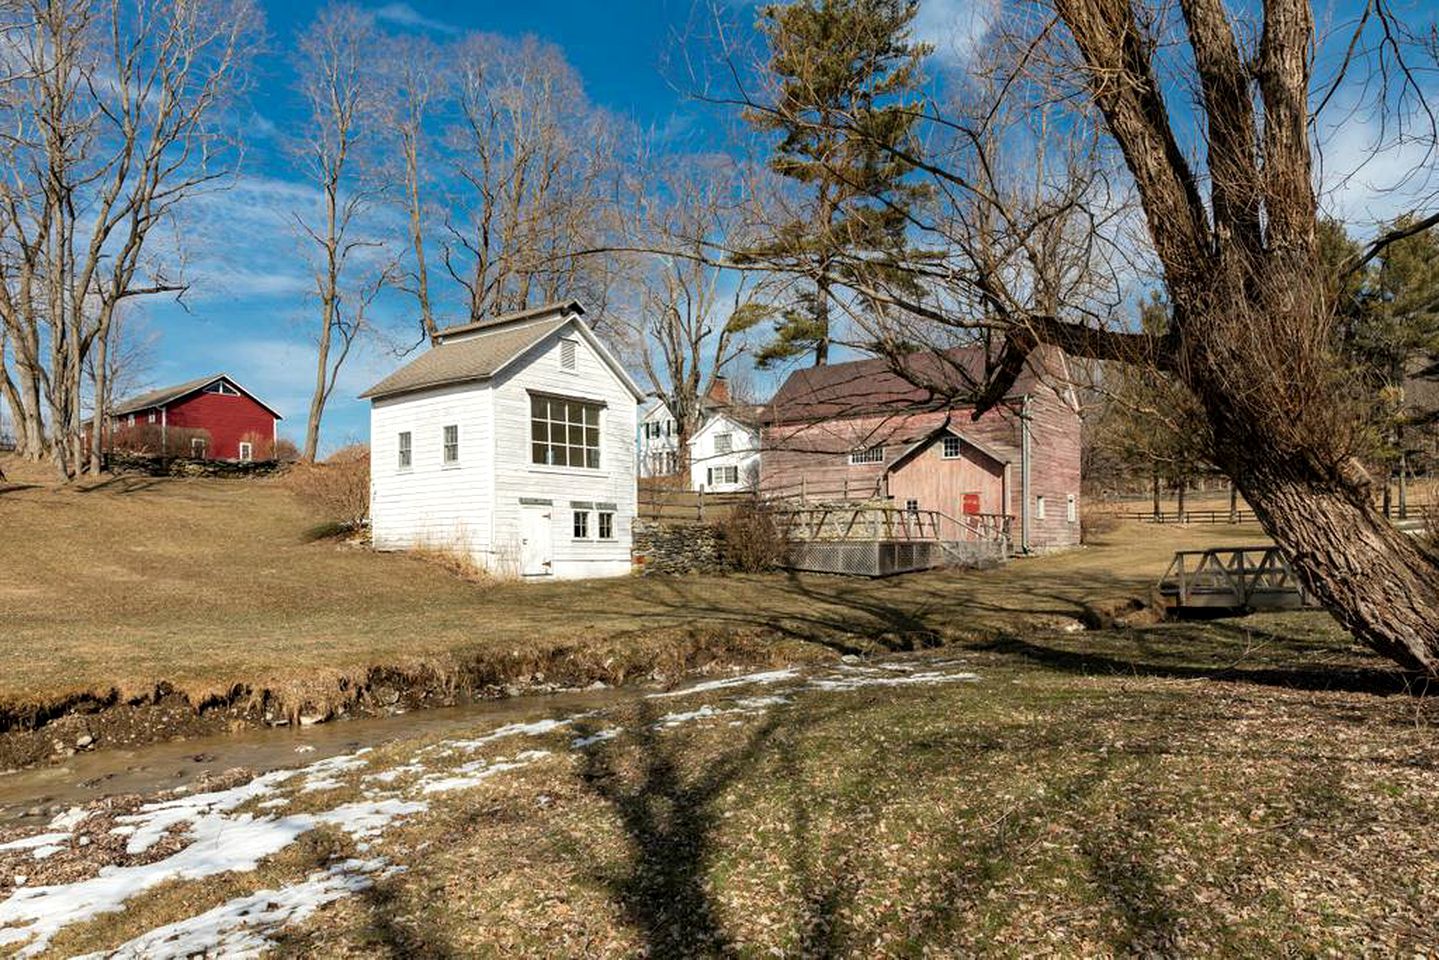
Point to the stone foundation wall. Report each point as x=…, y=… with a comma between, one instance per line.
x=188, y=467
x=672, y=548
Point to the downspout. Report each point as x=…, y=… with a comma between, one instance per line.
x=1024, y=474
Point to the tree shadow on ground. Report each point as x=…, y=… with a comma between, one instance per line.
x=1345, y=678
x=668, y=815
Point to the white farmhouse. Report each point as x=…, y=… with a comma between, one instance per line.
x=724, y=454
x=659, y=441
x=511, y=440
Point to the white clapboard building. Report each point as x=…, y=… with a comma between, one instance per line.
x=511, y=440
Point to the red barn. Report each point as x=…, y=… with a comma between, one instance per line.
x=860, y=431
x=212, y=417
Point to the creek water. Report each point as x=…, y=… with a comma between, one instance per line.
x=155, y=767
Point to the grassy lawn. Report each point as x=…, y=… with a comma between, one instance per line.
x=206, y=584
x=1164, y=792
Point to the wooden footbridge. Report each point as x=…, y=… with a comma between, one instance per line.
x=1233, y=578
x=879, y=539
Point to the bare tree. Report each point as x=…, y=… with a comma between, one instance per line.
x=115, y=111
x=1230, y=226
x=333, y=58
x=129, y=357
x=689, y=320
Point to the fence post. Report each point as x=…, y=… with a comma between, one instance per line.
x=700, y=505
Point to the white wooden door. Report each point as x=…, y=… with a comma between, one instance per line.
x=536, y=539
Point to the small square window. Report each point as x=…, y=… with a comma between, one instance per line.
x=582, y=524
x=406, y=450
x=452, y=444
x=567, y=355
x=951, y=447
x=607, y=526
x=911, y=506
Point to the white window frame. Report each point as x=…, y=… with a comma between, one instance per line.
x=542, y=452
x=911, y=506
x=247, y=451
x=1039, y=507
x=200, y=441
x=944, y=447
x=724, y=442
x=580, y=525
x=151, y=417
x=404, y=450
x=606, y=519
x=447, y=458
x=131, y=421
x=1071, y=508
x=863, y=455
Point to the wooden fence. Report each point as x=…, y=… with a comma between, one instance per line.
x=1192, y=516
x=688, y=506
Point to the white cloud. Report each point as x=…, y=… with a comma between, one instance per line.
x=403, y=15
x=955, y=27
x=1368, y=176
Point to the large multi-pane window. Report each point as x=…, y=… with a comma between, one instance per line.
x=867, y=455
x=724, y=442
x=564, y=433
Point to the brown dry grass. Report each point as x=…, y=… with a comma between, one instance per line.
x=206, y=584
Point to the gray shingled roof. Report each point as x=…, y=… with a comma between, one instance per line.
x=165, y=395
x=457, y=361
x=567, y=307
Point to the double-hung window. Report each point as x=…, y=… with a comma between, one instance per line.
x=406, y=451
x=722, y=475
x=951, y=447
x=564, y=433
x=607, y=525
x=452, y=444
x=724, y=442
x=582, y=524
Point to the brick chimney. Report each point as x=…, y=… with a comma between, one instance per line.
x=719, y=392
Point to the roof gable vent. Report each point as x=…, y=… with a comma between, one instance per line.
x=567, y=355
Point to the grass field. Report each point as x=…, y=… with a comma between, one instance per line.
x=206, y=584
x=1171, y=791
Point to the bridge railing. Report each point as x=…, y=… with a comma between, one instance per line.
x=1232, y=576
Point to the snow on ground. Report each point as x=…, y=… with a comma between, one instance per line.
x=239, y=927
x=768, y=676
x=221, y=840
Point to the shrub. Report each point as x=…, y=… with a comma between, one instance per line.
x=338, y=489
x=1095, y=522
x=753, y=541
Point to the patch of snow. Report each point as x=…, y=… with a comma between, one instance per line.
x=394, y=773
x=321, y=783
x=241, y=927
x=469, y=775
x=39, y=840
x=70, y=819
x=509, y=730
x=370, y=818
x=835, y=684
x=42, y=853
x=767, y=676
x=599, y=736
x=154, y=820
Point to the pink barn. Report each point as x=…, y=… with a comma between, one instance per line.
x=212, y=417
x=862, y=432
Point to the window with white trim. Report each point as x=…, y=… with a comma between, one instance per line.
x=406, y=448
x=582, y=524
x=873, y=454
x=721, y=475
x=567, y=355
x=1071, y=508
x=564, y=433
x=222, y=388
x=197, y=447
x=724, y=442
x=452, y=444
x=152, y=416
x=607, y=525
x=1039, y=508
x=951, y=447
x=911, y=506
x=246, y=452
x=131, y=421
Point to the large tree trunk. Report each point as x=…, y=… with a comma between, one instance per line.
x=1368, y=574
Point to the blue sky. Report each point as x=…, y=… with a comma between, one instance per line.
x=248, y=312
